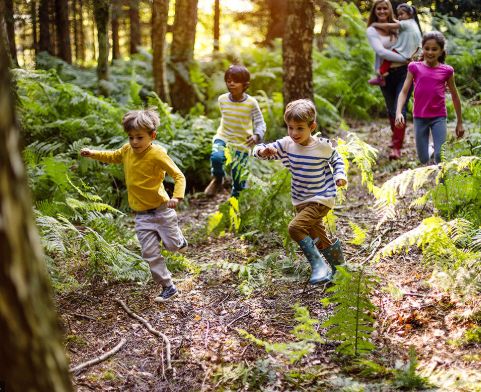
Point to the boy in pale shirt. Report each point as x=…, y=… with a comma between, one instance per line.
x=145, y=166
x=242, y=127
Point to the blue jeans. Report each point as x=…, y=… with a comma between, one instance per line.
x=239, y=166
x=394, y=84
x=438, y=128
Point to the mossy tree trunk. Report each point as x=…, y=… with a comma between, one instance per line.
x=183, y=93
x=116, y=13
x=160, y=13
x=63, y=30
x=32, y=355
x=134, y=26
x=102, y=15
x=297, y=51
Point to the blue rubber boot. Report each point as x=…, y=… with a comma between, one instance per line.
x=333, y=254
x=321, y=272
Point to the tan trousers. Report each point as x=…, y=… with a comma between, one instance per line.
x=151, y=228
x=308, y=222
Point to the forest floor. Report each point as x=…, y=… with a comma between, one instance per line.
x=207, y=351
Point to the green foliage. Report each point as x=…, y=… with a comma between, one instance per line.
x=305, y=333
x=177, y=262
x=407, y=378
x=359, y=234
x=252, y=378
x=352, y=320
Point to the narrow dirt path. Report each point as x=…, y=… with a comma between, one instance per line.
x=202, y=322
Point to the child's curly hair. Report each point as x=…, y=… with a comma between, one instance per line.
x=301, y=110
x=141, y=119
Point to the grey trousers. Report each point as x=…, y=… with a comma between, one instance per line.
x=152, y=227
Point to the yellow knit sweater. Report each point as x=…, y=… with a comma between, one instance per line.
x=144, y=175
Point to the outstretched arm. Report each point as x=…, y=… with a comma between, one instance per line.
x=386, y=26
x=401, y=99
x=381, y=51
x=457, y=106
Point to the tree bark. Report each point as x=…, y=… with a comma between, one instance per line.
x=76, y=38
x=216, y=26
x=327, y=20
x=31, y=353
x=297, y=51
x=45, y=43
x=81, y=32
x=116, y=12
x=33, y=13
x=277, y=20
x=182, y=92
x=160, y=13
x=134, y=26
x=101, y=13
x=10, y=25
x=63, y=30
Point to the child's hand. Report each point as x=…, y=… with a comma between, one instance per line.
x=459, y=130
x=85, y=152
x=341, y=182
x=399, y=119
x=253, y=140
x=267, y=152
x=172, y=203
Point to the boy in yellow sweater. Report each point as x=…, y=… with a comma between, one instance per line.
x=145, y=165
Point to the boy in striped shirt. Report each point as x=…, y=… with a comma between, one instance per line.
x=316, y=169
x=241, y=127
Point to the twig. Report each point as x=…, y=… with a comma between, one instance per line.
x=83, y=316
x=206, y=338
x=151, y=330
x=238, y=318
x=99, y=359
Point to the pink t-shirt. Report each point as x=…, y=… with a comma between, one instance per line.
x=430, y=89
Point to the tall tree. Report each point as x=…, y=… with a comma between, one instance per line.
x=33, y=14
x=10, y=25
x=116, y=13
x=216, y=25
x=32, y=354
x=81, y=31
x=277, y=15
x=102, y=15
x=183, y=93
x=297, y=51
x=45, y=43
x=134, y=26
x=328, y=18
x=160, y=13
x=63, y=30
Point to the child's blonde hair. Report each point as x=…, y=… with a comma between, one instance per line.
x=141, y=119
x=301, y=110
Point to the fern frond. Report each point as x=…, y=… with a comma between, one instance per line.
x=359, y=234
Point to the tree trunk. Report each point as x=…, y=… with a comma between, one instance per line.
x=277, y=20
x=81, y=32
x=76, y=38
x=297, y=51
x=160, y=13
x=116, y=12
x=101, y=13
x=45, y=43
x=134, y=26
x=182, y=92
x=327, y=20
x=10, y=25
x=63, y=30
x=33, y=13
x=216, y=25
x=31, y=353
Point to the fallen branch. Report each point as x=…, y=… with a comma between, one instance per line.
x=98, y=359
x=151, y=330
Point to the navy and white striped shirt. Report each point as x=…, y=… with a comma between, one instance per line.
x=314, y=169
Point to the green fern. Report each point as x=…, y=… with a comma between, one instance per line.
x=359, y=234
x=352, y=321
x=305, y=333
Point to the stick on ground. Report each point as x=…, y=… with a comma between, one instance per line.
x=151, y=330
x=98, y=359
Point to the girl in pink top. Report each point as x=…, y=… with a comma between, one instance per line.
x=430, y=77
